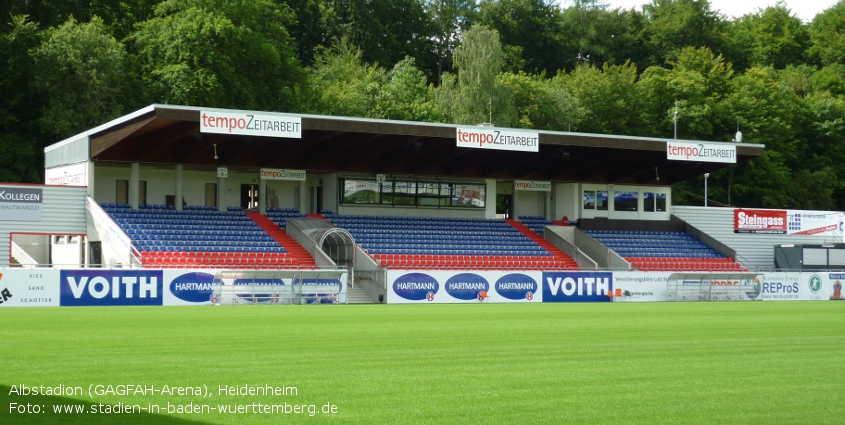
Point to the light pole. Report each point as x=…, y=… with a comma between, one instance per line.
x=706, y=175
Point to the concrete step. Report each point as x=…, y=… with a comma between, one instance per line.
x=357, y=295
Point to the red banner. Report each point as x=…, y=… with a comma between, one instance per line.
x=760, y=221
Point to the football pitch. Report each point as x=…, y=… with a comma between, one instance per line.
x=601, y=363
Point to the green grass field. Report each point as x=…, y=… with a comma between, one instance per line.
x=620, y=363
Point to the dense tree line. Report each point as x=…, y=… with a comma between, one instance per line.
x=581, y=66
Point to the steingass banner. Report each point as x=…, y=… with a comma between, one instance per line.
x=787, y=222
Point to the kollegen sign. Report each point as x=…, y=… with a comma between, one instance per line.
x=506, y=140
x=21, y=203
x=251, y=124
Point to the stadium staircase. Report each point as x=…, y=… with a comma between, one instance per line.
x=562, y=259
x=294, y=249
x=357, y=295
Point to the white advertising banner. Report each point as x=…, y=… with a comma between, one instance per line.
x=803, y=286
x=489, y=138
x=69, y=175
x=443, y=286
x=251, y=124
x=701, y=152
x=536, y=186
x=280, y=174
x=638, y=286
x=29, y=287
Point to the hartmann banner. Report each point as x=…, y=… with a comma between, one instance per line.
x=489, y=138
x=251, y=124
x=788, y=222
x=21, y=203
x=701, y=152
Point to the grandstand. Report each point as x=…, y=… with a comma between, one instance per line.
x=665, y=251
x=202, y=236
x=450, y=243
x=170, y=188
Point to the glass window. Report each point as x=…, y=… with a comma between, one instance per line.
x=360, y=192
x=648, y=202
x=589, y=200
x=625, y=201
x=601, y=200
x=469, y=195
x=660, y=203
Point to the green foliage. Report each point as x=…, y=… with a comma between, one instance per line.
x=342, y=84
x=827, y=32
x=530, y=26
x=593, y=363
x=79, y=71
x=475, y=96
x=772, y=37
x=608, y=96
x=226, y=54
x=542, y=103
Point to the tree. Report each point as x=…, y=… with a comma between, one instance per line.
x=771, y=37
x=384, y=30
x=80, y=74
x=674, y=24
x=19, y=136
x=342, y=84
x=449, y=18
x=531, y=28
x=474, y=96
x=406, y=96
x=827, y=32
x=607, y=94
x=233, y=54
x=541, y=104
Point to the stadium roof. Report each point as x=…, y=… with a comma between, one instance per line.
x=166, y=134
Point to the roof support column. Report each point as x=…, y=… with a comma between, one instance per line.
x=221, y=193
x=134, y=178
x=262, y=195
x=177, y=200
x=490, y=206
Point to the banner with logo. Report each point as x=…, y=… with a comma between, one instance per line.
x=803, y=286
x=440, y=286
x=489, y=138
x=279, y=174
x=110, y=287
x=29, y=287
x=21, y=203
x=531, y=185
x=638, y=286
x=788, y=222
x=701, y=152
x=69, y=175
x=251, y=124
x=577, y=286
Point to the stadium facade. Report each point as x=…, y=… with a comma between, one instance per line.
x=175, y=205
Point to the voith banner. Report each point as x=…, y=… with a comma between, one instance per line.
x=489, y=138
x=251, y=124
x=701, y=152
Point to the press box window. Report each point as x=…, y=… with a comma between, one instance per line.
x=625, y=201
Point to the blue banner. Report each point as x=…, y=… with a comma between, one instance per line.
x=577, y=286
x=110, y=287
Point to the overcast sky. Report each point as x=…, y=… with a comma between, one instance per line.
x=804, y=9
